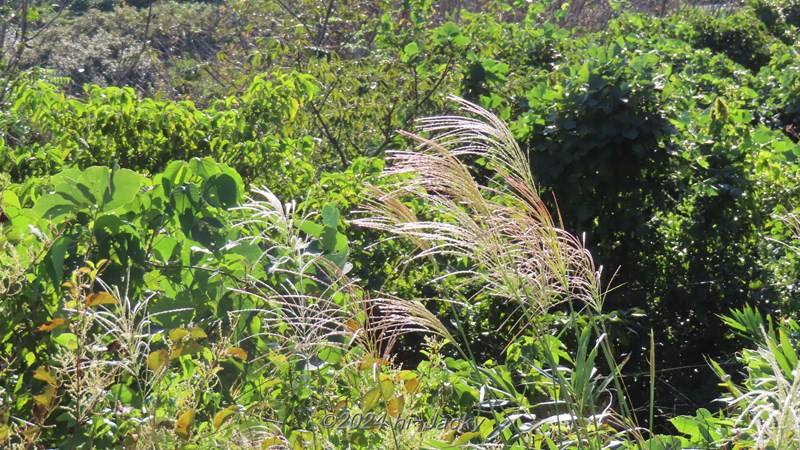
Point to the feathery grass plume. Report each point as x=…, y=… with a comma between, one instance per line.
x=772, y=406
x=517, y=250
x=311, y=304
x=503, y=226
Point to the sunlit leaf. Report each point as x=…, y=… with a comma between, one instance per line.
x=44, y=374
x=387, y=389
x=100, y=298
x=198, y=333
x=67, y=340
x=395, y=406
x=185, y=348
x=46, y=398
x=220, y=417
x=52, y=324
x=351, y=325
x=237, y=352
x=157, y=360
x=184, y=422
x=272, y=441
x=178, y=333
x=411, y=385
x=370, y=399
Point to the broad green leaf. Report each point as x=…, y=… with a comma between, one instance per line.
x=124, y=188
x=54, y=260
x=330, y=215
x=204, y=168
x=67, y=340
x=124, y=394
x=71, y=192
x=331, y=354
x=53, y=206
x=221, y=191
x=686, y=425
x=411, y=50
x=166, y=248
x=186, y=197
x=93, y=182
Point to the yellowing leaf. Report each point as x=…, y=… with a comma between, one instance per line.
x=273, y=441
x=184, y=422
x=237, y=352
x=52, y=325
x=370, y=361
x=100, y=298
x=411, y=385
x=46, y=398
x=220, y=417
x=370, y=399
x=44, y=374
x=5, y=433
x=395, y=406
x=466, y=437
x=351, y=325
x=185, y=348
x=30, y=432
x=157, y=360
x=178, y=333
x=405, y=375
x=342, y=403
x=387, y=389
x=198, y=333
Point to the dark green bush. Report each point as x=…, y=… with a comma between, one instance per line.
x=741, y=38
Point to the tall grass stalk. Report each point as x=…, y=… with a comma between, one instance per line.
x=310, y=303
x=518, y=251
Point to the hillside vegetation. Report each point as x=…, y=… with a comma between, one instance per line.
x=399, y=224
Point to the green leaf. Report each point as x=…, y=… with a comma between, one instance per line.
x=125, y=185
x=93, y=182
x=788, y=348
x=53, y=207
x=686, y=425
x=204, y=168
x=186, y=197
x=67, y=340
x=411, y=49
x=220, y=191
x=54, y=260
x=310, y=228
x=125, y=395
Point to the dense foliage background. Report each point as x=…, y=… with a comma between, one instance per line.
x=143, y=285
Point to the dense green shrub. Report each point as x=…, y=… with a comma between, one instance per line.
x=738, y=36
x=46, y=132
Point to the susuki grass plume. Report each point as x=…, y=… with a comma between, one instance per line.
x=517, y=250
x=503, y=226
